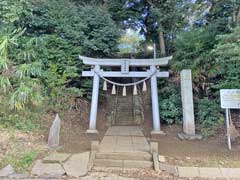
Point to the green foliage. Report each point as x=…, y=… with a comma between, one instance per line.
x=40, y=42
x=40, y=63
x=18, y=84
x=20, y=159
x=26, y=120
x=166, y=15
x=170, y=104
x=214, y=60
x=226, y=56
x=27, y=159
x=210, y=116
x=130, y=41
x=12, y=11
x=68, y=30
x=220, y=15
x=193, y=48
x=100, y=33
x=90, y=27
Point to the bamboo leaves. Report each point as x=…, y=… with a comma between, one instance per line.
x=18, y=81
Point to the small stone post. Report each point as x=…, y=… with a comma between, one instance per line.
x=187, y=102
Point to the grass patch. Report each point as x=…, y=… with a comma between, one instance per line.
x=24, y=122
x=21, y=148
x=21, y=161
x=19, y=156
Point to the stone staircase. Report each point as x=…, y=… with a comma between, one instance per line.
x=142, y=160
x=123, y=147
x=124, y=110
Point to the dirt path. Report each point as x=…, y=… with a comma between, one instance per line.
x=210, y=152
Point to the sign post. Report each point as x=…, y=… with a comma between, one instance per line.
x=230, y=99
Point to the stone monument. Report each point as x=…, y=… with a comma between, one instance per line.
x=54, y=133
x=187, y=102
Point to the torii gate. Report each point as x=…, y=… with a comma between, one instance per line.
x=97, y=73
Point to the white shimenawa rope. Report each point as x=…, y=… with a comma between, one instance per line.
x=127, y=84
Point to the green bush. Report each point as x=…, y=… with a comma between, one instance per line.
x=226, y=56
x=210, y=117
x=170, y=104
x=26, y=121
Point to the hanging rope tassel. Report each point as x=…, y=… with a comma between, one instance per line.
x=144, y=86
x=124, y=91
x=105, y=86
x=135, y=90
x=113, y=89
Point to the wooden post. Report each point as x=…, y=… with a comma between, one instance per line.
x=94, y=103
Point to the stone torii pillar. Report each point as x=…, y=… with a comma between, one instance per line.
x=125, y=64
x=94, y=104
x=155, y=106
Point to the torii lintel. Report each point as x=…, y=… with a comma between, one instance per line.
x=132, y=62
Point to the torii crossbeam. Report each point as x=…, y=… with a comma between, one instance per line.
x=125, y=64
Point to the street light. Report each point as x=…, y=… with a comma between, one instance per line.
x=152, y=48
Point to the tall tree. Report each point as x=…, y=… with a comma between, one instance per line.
x=158, y=19
x=165, y=19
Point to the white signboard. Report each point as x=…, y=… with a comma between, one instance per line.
x=230, y=98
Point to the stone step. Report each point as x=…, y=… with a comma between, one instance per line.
x=125, y=104
x=124, y=116
x=123, y=163
x=140, y=156
x=129, y=104
x=125, y=124
x=125, y=121
x=125, y=101
x=125, y=109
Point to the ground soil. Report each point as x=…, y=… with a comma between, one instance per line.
x=15, y=144
x=130, y=174
x=134, y=174
x=211, y=151
x=207, y=152
x=74, y=123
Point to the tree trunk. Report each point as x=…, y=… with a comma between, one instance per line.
x=162, y=44
x=236, y=17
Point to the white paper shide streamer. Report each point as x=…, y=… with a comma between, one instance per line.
x=124, y=91
x=144, y=86
x=113, y=89
x=135, y=90
x=105, y=86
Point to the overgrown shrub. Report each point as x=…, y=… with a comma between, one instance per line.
x=210, y=117
x=170, y=103
x=226, y=56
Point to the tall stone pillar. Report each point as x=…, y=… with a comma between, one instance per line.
x=94, y=103
x=187, y=102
